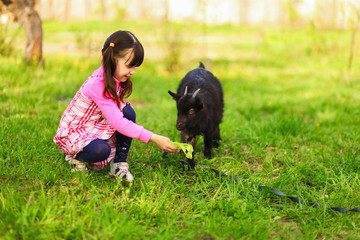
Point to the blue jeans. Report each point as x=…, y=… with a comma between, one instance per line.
x=98, y=150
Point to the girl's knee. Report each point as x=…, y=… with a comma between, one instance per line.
x=129, y=113
x=100, y=149
x=96, y=151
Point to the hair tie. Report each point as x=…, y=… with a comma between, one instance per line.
x=111, y=44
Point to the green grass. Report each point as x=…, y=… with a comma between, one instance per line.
x=291, y=122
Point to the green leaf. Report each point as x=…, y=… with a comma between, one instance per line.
x=185, y=147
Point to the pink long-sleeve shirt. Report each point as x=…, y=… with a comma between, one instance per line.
x=94, y=89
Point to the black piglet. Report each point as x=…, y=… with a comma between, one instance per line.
x=200, y=107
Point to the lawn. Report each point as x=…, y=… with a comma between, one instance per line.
x=291, y=122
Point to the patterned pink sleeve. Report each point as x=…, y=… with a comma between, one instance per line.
x=93, y=89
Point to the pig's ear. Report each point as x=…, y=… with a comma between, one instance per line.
x=174, y=95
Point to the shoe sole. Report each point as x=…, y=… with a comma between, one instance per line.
x=124, y=177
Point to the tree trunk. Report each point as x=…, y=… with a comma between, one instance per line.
x=26, y=14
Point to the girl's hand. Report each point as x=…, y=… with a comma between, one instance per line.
x=163, y=143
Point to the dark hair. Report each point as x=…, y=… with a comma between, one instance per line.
x=120, y=42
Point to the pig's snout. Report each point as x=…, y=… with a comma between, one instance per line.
x=180, y=126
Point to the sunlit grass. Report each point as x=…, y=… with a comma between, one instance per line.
x=290, y=122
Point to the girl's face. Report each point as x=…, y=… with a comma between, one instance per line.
x=123, y=71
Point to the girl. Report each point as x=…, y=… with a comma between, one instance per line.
x=98, y=126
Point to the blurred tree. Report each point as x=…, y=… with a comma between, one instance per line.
x=174, y=42
x=51, y=9
x=203, y=6
x=67, y=10
x=25, y=13
x=244, y=11
x=292, y=12
x=103, y=9
x=88, y=6
x=355, y=21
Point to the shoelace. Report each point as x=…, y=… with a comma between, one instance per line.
x=121, y=170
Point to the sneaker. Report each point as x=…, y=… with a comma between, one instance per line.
x=121, y=170
x=77, y=166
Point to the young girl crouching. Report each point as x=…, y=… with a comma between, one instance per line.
x=98, y=126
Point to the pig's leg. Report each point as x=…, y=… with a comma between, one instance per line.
x=208, y=141
x=217, y=138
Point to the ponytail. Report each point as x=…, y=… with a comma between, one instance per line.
x=109, y=66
